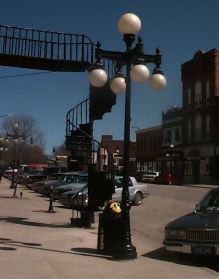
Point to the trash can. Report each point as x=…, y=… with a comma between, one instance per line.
x=109, y=230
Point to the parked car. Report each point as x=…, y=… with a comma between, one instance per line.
x=196, y=233
x=56, y=179
x=31, y=177
x=77, y=183
x=56, y=184
x=150, y=176
x=8, y=173
x=167, y=179
x=79, y=197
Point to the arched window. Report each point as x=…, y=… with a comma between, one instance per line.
x=189, y=95
x=207, y=129
x=198, y=127
x=198, y=93
x=207, y=91
x=189, y=130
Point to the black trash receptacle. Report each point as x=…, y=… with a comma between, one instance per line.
x=109, y=232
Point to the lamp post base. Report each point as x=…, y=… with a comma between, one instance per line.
x=126, y=253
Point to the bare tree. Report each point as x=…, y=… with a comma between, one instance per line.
x=60, y=150
x=30, y=144
x=27, y=127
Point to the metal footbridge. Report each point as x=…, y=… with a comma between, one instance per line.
x=45, y=50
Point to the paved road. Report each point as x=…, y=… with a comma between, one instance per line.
x=40, y=245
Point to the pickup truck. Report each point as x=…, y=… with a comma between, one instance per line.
x=79, y=197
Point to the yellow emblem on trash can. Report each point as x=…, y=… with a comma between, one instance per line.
x=115, y=206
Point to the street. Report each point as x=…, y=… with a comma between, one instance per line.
x=164, y=204
x=37, y=244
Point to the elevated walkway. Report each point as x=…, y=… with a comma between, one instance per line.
x=45, y=50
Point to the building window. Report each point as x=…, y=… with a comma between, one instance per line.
x=189, y=130
x=207, y=92
x=168, y=136
x=189, y=96
x=207, y=127
x=177, y=135
x=198, y=127
x=198, y=93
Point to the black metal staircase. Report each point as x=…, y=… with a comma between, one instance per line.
x=87, y=154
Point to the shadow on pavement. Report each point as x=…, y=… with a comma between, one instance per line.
x=90, y=252
x=8, y=248
x=74, y=251
x=9, y=242
x=43, y=211
x=24, y=221
x=184, y=259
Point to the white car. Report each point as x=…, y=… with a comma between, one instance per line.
x=150, y=176
x=79, y=198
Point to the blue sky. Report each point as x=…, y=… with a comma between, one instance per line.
x=178, y=28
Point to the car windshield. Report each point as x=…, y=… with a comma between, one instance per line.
x=119, y=182
x=80, y=179
x=210, y=202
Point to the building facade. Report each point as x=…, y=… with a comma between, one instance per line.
x=200, y=83
x=149, y=148
x=172, y=151
x=116, y=149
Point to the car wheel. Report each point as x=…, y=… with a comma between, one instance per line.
x=137, y=199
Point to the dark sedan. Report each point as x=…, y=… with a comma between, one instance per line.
x=196, y=233
x=77, y=183
x=58, y=179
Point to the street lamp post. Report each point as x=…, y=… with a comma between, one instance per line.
x=171, y=163
x=14, y=136
x=3, y=147
x=134, y=59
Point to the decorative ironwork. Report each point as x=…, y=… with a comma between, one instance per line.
x=42, y=49
x=80, y=142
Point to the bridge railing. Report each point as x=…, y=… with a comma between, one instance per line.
x=46, y=44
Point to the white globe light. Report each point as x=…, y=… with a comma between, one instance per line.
x=157, y=82
x=139, y=73
x=97, y=77
x=129, y=24
x=118, y=85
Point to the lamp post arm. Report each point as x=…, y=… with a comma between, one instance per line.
x=155, y=59
x=117, y=56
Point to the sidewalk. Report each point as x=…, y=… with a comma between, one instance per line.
x=39, y=245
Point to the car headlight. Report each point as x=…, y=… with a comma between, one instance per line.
x=175, y=233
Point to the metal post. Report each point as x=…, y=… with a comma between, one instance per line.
x=126, y=250
x=131, y=56
x=90, y=212
x=13, y=167
x=51, y=210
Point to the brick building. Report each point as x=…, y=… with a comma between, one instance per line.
x=172, y=159
x=148, y=148
x=116, y=149
x=200, y=82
